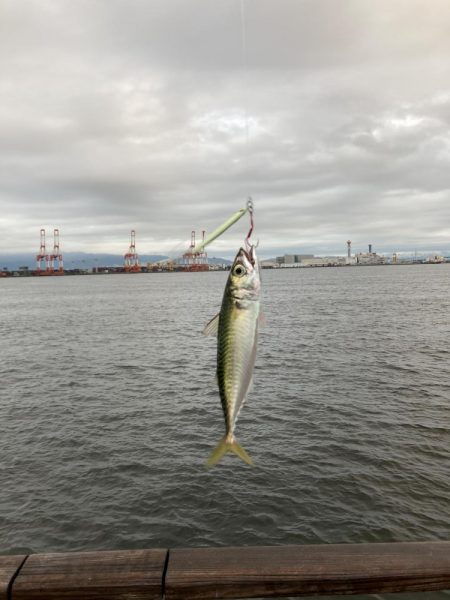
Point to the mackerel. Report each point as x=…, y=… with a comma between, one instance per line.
x=236, y=327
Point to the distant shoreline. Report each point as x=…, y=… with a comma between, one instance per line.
x=120, y=271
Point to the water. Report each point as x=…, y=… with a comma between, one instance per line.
x=109, y=409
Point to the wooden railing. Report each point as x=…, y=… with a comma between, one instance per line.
x=244, y=572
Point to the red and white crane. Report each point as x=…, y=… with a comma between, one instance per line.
x=56, y=256
x=131, y=258
x=45, y=263
x=42, y=258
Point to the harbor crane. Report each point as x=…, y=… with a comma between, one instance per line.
x=195, y=258
x=56, y=256
x=131, y=259
x=42, y=258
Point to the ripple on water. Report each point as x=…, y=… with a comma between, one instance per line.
x=111, y=415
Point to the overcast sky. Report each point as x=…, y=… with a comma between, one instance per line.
x=164, y=115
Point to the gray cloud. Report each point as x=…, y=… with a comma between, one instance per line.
x=118, y=115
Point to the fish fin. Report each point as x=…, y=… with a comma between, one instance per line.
x=218, y=452
x=239, y=450
x=212, y=328
x=225, y=446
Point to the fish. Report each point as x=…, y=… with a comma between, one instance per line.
x=236, y=328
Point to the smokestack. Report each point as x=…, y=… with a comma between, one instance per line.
x=349, y=248
x=370, y=248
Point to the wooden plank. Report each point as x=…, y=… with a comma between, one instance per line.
x=265, y=572
x=9, y=566
x=118, y=575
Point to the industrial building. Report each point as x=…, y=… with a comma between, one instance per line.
x=292, y=260
x=324, y=261
x=309, y=260
x=370, y=258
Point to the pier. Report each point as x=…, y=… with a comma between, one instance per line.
x=242, y=572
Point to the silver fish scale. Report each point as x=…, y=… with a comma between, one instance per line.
x=235, y=356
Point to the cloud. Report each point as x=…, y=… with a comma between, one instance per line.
x=150, y=116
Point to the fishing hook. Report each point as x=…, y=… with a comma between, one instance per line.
x=250, y=210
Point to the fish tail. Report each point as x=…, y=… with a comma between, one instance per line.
x=239, y=450
x=228, y=444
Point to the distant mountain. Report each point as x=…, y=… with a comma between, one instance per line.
x=14, y=261
x=83, y=260
x=219, y=261
x=74, y=260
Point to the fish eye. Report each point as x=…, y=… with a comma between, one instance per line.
x=239, y=271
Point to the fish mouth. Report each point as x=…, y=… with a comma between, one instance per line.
x=248, y=256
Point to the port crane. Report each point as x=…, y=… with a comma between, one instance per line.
x=56, y=256
x=131, y=258
x=49, y=259
x=195, y=258
x=192, y=260
x=42, y=256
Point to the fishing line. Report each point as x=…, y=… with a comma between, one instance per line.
x=245, y=70
x=244, y=59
